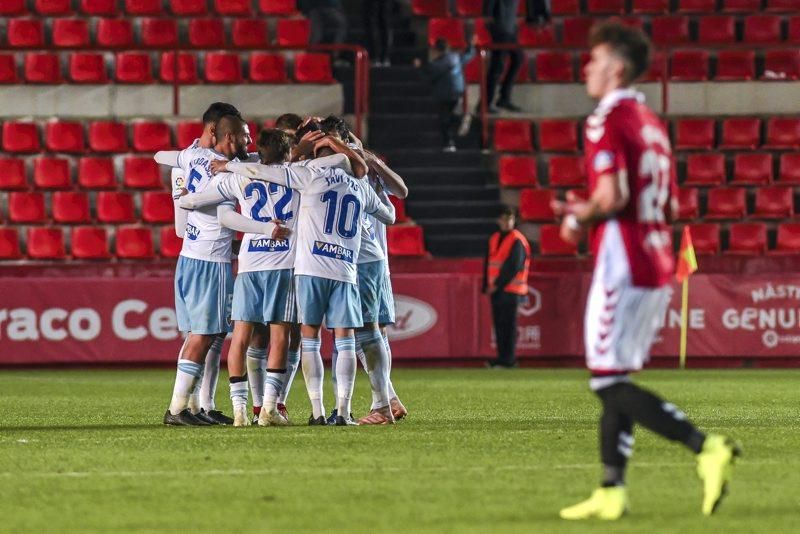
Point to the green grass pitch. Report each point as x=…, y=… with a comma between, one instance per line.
x=482, y=451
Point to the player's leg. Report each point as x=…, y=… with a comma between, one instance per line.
x=292, y=363
x=343, y=314
x=242, y=330
x=188, y=374
x=312, y=300
x=257, y=365
x=335, y=410
x=387, y=317
x=275, y=375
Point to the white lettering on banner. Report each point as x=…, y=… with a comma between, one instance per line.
x=163, y=324
x=76, y=324
x=697, y=319
x=23, y=325
x=122, y=309
x=770, y=292
x=752, y=319
x=47, y=326
x=528, y=337
x=413, y=317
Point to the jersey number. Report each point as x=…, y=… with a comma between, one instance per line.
x=348, y=210
x=654, y=196
x=263, y=191
x=194, y=177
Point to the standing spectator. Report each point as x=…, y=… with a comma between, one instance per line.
x=446, y=72
x=378, y=16
x=506, y=282
x=328, y=22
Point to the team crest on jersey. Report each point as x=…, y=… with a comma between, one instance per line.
x=603, y=161
x=192, y=232
x=180, y=181
x=268, y=245
x=331, y=250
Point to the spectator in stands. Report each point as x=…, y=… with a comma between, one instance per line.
x=506, y=282
x=288, y=123
x=328, y=23
x=377, y=16
x=446, y=72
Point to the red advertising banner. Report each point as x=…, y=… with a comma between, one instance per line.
x=439, y=316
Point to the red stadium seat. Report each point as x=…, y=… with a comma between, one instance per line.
x=717, y=29
x=159, y=32
x=187, y=67
x=554, y=67
x=53, y=8
x=399, y=209
x=234, y=8
x=689, y=66
x=566, y=171
x=46, y=243
x=736, y=65
x=405, y=241
x=658, y=67
x=157, y=207
x=694, y=134
x=566, y=7
x=551, y=244
x=71, y=207
x=293, y=32
x=794, y=29
x=781, y=5
x=42, y=67
x=9, y=244
x=762, y=29
x=752, y=168
x=134, y=243
x=726, y=203
x=20, y=137
x=87, y=67
x=650, y=7
x=450, y=29
x=26, y=207
x=187, y=131
x=741, y=6
x=788, y=239
x=108, y=136
x=482, y=34
x=705, y=238
x=282, y=8
x=781, y=65
x=96, y=173
x=188, y=7
x=169, y=244
x=13, y=175
x=70, y=33
x=688, y=204
x=464, y=8
x=99, y=8
x=790, y=168
x=25, y=33
x=266, y=67
x=134, y=67
x=141, y=172
x=206, y=33
x=8, y=69
x=783, y=133
x=705, y=169
x=143, y=7
x=438, y=8
x=670, y=30
x=741, y=133
x=774, y=202
x=575, y=31
x=512, y=136
x=223, y=67
x=51, y=173
x=518, y=171
x=606, y=6
x=749, y=239
x=64, y=136
x=90, y=243
x=114, y=33
x=115, y=207
x=558, y=135
x=151, y=136
x=313, y=68
x=530, y=35
x=697, y=6
x=13, y=8
x=472, y=70
x=534, y=205
x=250, y=33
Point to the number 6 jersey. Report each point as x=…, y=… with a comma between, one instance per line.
x=623, y=137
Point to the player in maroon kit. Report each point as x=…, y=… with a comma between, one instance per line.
x=631, y=183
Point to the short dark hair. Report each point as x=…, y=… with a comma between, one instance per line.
x=217, y=110
x=631, y=44
x=310, y=126
x=441, y=45
x=229, y=124
x=277, y=143
x=506, y=211
x=288, y=121
x=332, y=123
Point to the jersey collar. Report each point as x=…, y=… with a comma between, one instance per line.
x=612, y=98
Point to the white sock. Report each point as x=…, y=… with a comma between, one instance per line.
x=292, y=361
x=334, y=359
x=187, y=376
x=256, y=369
x=345, y=373
x=194, y=395
x=211, y=375
x=392, y=393
x=314, y=374
x=239, y=394
x=363, y=359
x=273, y=382
x=377, y=366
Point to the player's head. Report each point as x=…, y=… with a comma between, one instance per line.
x=310, y=126
x=288, y=122
x=232, y=137
x=213, y=114
x=274, y=146
x=335, y=126
x=620, y=54
x=506, y=219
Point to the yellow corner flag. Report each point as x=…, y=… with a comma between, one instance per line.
x=687, y=264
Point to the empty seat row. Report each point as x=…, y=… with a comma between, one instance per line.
x=154, y=32
x=138, y=68
x=74, y=207
x=51, y=173
x=187, y=8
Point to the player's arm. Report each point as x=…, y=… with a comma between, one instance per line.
x=337, y=161
x=610, y=195
x=358, y=164
x=379, y=207
x=210, y=197
x=168, y=157
x=393, y=181
x=235, y=221
x=293, y=177
x=177, y=179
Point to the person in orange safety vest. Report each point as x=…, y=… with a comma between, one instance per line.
x=506, y=282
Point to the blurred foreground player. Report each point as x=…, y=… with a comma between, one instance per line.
x=631, y=180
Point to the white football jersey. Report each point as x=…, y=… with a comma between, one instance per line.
x=263, y=201
x=370, y=247
x=205, y=238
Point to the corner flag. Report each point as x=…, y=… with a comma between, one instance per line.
x=687, y=264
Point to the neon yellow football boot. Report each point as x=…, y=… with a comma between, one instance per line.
x=605, y=503
x=715, y=467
